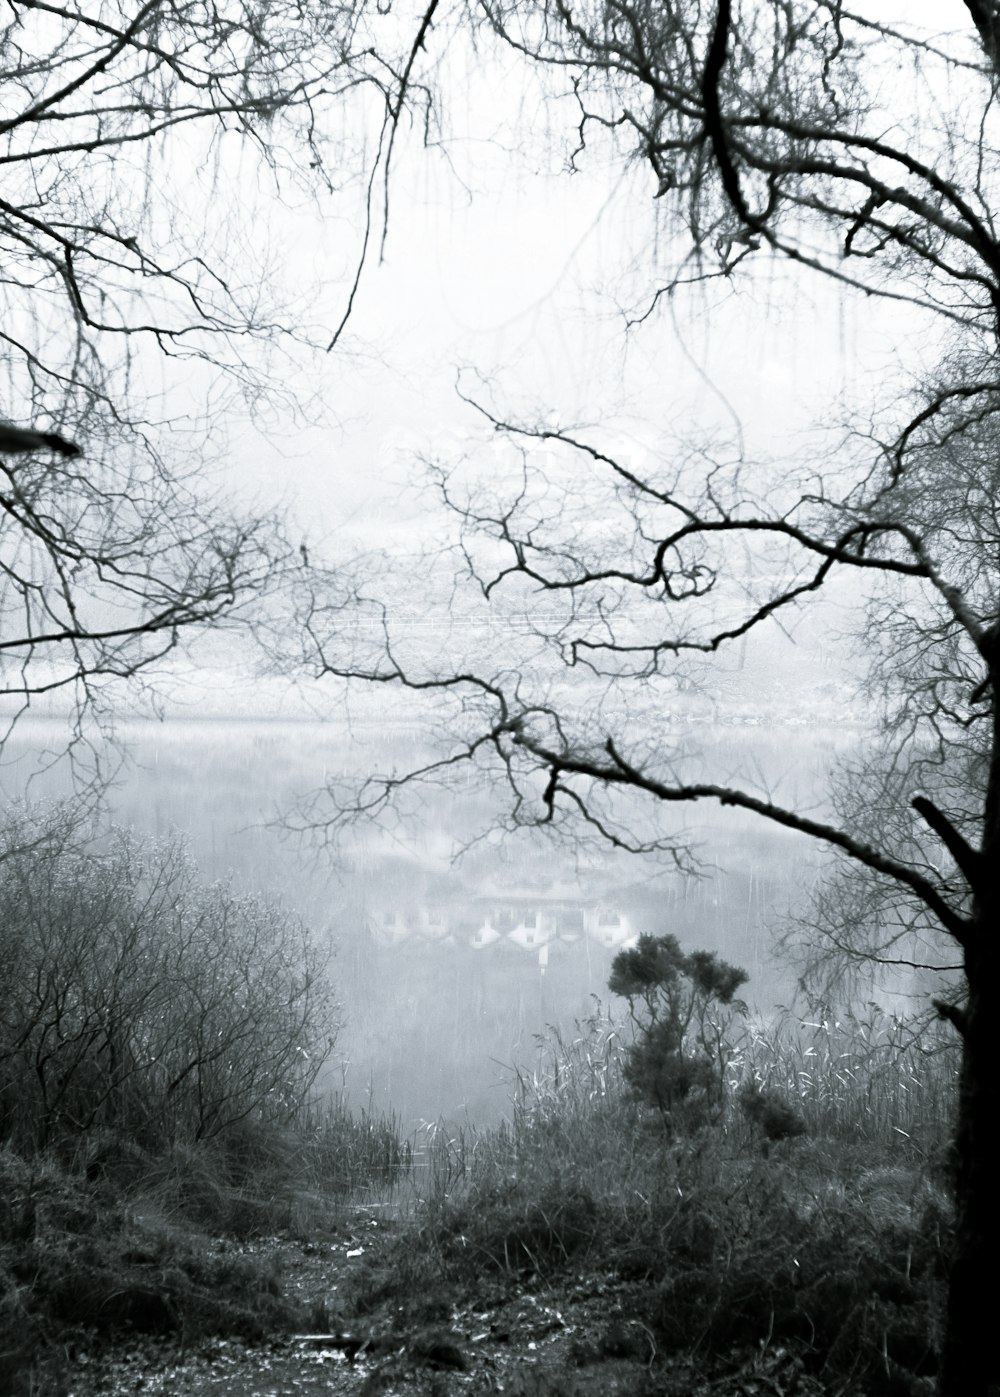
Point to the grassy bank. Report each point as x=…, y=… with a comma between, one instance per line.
x=815, y=1236
x=828, y=1241
x=100, y=1238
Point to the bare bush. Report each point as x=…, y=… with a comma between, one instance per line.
x=145, y=1003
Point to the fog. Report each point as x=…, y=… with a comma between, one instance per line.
x=494, y=264
x=446, y=968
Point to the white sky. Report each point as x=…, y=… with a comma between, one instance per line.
x=499, y=263
x=524, y=276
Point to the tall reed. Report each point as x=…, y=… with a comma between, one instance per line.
x=866, y=1076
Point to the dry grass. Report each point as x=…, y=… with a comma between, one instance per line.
x=111, y=1237
x=834, y=1243
x=872, y=1079
x=867, y=1087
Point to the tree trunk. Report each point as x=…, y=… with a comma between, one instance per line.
x=971, y=1357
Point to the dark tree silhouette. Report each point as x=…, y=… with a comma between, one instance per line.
x=14, y=440
x=137, y=303
x=864, y=152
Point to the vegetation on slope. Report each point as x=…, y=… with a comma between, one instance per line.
x=745, y=1191
x=159, y=1042
x=825, y=1244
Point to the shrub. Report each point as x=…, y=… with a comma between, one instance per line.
x=159, y=1040
x=770, y=1111
x=683, y=1007
x=143, y=1004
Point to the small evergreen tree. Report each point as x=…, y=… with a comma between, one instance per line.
x=683, y=1007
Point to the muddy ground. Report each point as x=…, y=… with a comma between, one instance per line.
x=579, y=1335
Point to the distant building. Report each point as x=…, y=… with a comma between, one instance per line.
x=613, y=930
x=388, y=927
x=533, y=918
x=531, y=934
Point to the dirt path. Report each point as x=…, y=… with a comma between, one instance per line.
x=507, y=1338
x=579, y=1337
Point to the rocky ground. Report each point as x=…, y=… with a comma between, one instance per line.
x=581, y=1335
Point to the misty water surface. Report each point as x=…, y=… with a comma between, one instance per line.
x=447, y=971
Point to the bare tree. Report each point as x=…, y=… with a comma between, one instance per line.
x=137, y=303
x=864, y=152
